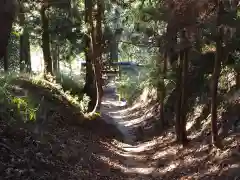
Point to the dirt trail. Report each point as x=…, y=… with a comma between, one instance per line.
x=113, y=112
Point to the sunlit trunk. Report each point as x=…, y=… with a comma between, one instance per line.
x=99, y=49
x=90, y=86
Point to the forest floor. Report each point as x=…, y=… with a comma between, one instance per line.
x=68, y=150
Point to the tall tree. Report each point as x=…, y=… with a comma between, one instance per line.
x=55, y=56
x=6, y=61
x=162, y=88
x=25, y=59
x=89, y=88
x=93, y=53
x=183, y=135
x=216, y=72
x=99, y=47
x=7, y=13
x=48, y=67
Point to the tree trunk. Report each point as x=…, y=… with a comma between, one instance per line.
x=179, y=99
x=183, y=133
x=25, y=59
x=237, y=79
x=7, y=12
x=27, y=53
x=198, y=43
x=5, y=61
x=214, y=88
x=171, y=38
x=182, y=92
x=163, y=89
x=90, y=85
x=216, y=74
x=99, y=49
x=55, y=57
x=48, y=67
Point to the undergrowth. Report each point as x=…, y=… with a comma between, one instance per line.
x=68, y=88
x=13, y=100
x=17, y=104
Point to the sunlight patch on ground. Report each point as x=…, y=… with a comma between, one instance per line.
x=127, y=110
x=173, y=165
x=139, y=148
x=129, y=154
x=161, y=154
x=114, y=103
x=123, y=168
x=132, y=122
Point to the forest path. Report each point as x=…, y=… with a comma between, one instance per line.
x=115, y=112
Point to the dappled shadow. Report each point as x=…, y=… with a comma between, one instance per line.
x=63, y=152
x=169, y=160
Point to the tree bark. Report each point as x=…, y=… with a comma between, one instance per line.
x=163, y=89
x=216, y=74
x=171, y=38
x=5, y=61
x=48, y=67
x=55, y=58
x=90, y=87
x=183, y=133
x=182, y=96
x=237, y=79
x=179, y=99
x=198, y=42
x=25, y=58
x=7, y=12
x=99, y=49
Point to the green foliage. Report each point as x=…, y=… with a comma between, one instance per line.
x=84, y=103
x=23, y=105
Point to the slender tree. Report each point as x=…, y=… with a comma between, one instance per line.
x=99, y=48
x=216, y=72
x=184, y=78
x=48, y=67
x=5, y=61
x=89, y=88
